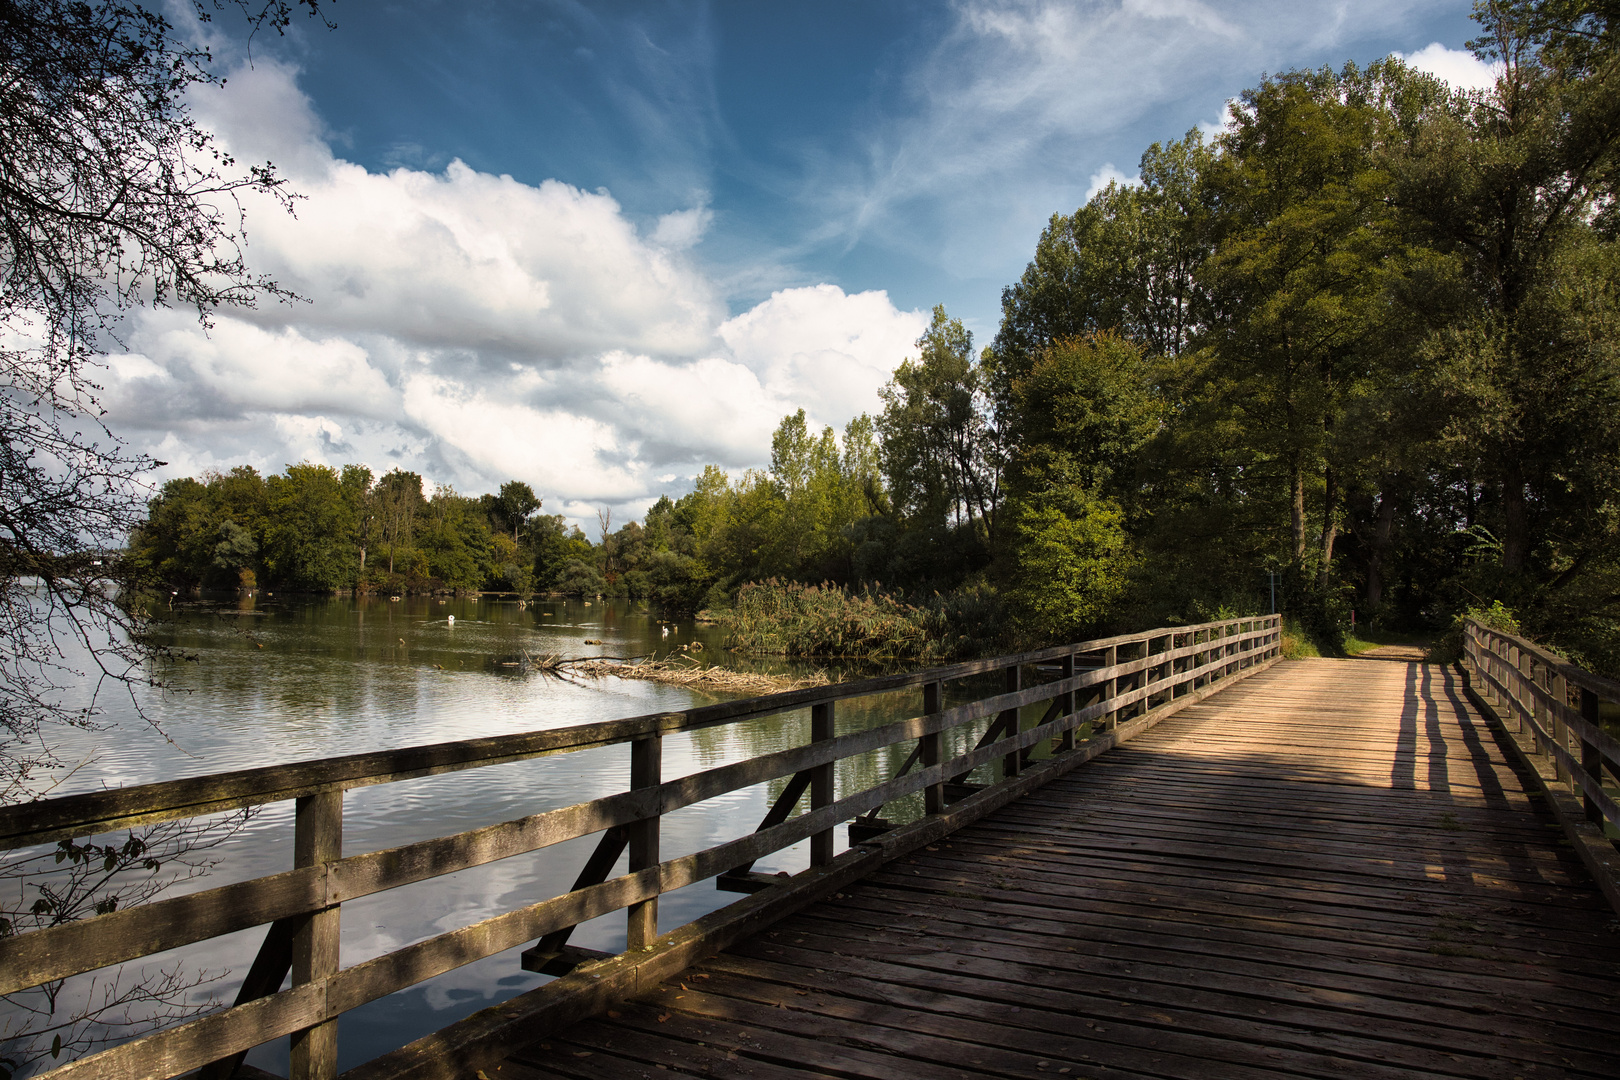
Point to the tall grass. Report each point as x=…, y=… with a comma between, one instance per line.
x=781, y=618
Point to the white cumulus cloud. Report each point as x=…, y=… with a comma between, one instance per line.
x=824, y=349
x=1458, y=67
x=1109, y=174
x=476, y=328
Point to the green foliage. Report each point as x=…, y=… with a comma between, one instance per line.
x=305, y=540
x=1377, y=333
x=1296, y=643
x=1448, y=647
x=826, y=621
x=941, y=453
x=1125, y=262
x=1068, y=561
x=319, y=529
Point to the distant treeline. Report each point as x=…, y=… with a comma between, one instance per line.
x=1364, y=344
x=314, y=528
x=821, y=512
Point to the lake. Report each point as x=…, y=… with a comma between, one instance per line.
x=285, y=679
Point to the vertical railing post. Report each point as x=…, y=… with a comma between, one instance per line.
x=1012, y=682
x=1526, y=710
x=1591, y=759
x=1065, y=741
x=1110, y=719
x=1138, y=680
x=932, y=746
x=317, y=838
x=646, y=770
x=1554, y=684
x=821, y=783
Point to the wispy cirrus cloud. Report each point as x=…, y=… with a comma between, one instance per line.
x=1021, y=105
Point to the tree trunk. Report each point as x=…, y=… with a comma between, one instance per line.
x=1297, y=510
x=1384, y=524
x=1515, y=538
x=1330, y=524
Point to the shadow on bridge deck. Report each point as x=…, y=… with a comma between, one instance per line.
x=1329, y=870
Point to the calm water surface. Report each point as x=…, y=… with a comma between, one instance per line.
x=286, y=680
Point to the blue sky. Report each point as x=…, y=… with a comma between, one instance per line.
x=597, y=246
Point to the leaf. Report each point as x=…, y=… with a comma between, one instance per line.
x=56, y=1046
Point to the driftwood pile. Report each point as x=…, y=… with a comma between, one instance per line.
x=680, y=668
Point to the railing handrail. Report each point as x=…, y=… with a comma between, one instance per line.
x=1605, y=688
x=48, y=820
x=1569, y=732
x=302, y=905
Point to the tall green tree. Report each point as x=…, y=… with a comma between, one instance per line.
x=1078, y=422
x=1519, y=184
x=308, y=531
x=400, y=506
x=942, y=451
x=1126, y=262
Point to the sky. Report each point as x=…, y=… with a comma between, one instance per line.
x=596, y=247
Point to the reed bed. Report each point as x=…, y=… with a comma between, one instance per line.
x=775, y=618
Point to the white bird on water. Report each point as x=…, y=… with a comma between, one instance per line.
x=452, y=620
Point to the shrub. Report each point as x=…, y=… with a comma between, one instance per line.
x=790, y=619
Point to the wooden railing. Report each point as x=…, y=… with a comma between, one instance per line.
x=1557, y=703
x=1096, y=685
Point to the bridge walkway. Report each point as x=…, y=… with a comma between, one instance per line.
x=1329, y=870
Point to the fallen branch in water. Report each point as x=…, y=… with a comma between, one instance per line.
x=681, y=669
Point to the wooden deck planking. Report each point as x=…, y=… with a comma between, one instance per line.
x=1330, y=870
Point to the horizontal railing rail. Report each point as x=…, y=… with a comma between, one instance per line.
x=1558, y=703
x=1102, y=683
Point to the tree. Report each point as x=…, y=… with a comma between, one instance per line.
x=512, y=508
x=111, y=197
x=1299, y=278
x=1125, y=262
x=400, y=504
x=941, y=451
x=556, y=547
x=455, y=536
x=1520, y=185
x=1078, y=423
x=307, y=542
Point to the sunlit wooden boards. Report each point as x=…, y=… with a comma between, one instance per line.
x=1328, y=871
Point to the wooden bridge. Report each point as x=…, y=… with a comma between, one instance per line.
x=1367, y=868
